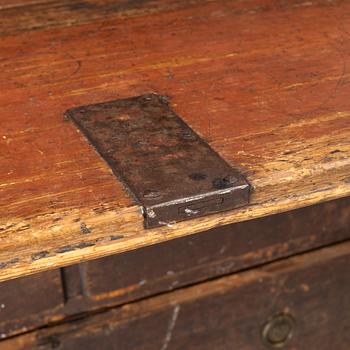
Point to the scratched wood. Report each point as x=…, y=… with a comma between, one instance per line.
x=133, y=275
x=264, y=82
x=226, y=313
x=32, y=302
x=42, y=14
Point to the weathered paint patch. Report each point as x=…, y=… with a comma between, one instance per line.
x=40, y=255
x=84, y=229
x=116, y=237
x=9, y=263
x=71, y=247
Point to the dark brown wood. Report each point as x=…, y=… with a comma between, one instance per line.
x=167, y=266
x=30, y=302
x=312, y=290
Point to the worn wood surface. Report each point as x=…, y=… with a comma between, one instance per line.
x=227, y=313
x=29, y=302
x=264, y=82
x=227, y=249
x=34, y=301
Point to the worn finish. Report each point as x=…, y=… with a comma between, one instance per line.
x=32, y=302
x=310, y=290
x=33, y=15
x=264, y=82
x=167, y=167
x=29, y=302
x=167, y=266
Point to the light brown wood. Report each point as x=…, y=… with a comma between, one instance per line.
x=265, y=82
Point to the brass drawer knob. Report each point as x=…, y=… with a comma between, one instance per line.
x=278, y=331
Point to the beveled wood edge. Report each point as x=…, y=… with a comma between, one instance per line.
x=83, y=235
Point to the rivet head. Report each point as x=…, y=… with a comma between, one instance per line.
x=278, y=331
x=188, y=135
x=225, y=182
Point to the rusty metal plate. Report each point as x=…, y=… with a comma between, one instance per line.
x=171, y=172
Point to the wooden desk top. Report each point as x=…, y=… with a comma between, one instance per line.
x=266, y=83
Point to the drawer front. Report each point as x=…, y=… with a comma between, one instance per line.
x=167, y=266
x=30, y=302
x=300, y=303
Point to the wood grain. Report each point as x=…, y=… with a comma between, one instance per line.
x=227, y=313
x=33, y=302
x=30, y=302
x=133, y=275
x=264, y=82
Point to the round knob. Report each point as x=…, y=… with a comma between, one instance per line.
x=278, y=331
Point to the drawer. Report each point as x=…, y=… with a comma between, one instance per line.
x=29, y=302
x=299, y=303
x=224, y=250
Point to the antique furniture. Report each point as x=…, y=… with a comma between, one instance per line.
x=263, y=86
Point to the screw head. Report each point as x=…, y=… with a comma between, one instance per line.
x=225, y=182
x=278, y=331
x=188, y=135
